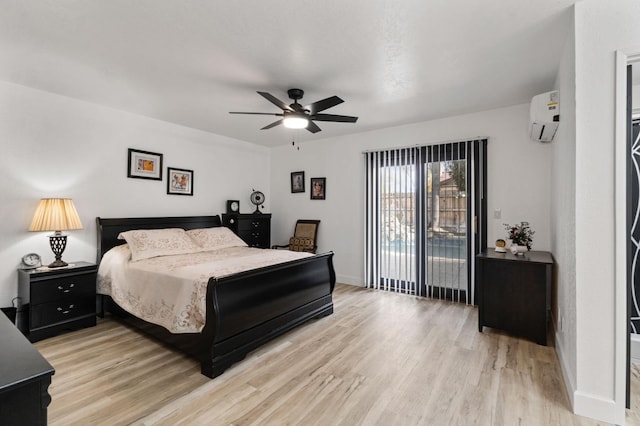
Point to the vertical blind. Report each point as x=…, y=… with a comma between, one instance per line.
x=425, y=219
x=391, y=222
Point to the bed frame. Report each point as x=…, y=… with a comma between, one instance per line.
x=244, y=310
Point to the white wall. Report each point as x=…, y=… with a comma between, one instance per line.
x=600, y=28
x=57, y=146
x=518, y=180
x=563, y=216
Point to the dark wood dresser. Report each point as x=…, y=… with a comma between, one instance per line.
x=254, y=229
x=55, y=300
x=514, y=292
x=25, y=377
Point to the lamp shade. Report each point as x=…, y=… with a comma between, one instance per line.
x=55, y=214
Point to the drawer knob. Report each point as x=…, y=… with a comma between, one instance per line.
x=65, y=311
x=66, y=290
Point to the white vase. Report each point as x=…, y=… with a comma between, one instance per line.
x=519, y=250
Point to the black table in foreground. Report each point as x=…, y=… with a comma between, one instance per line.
x=25, y=377
x=514, y=292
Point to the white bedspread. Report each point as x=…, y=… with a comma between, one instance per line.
x=171, y=290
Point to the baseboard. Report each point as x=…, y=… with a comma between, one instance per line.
x=567, y=375
x=595, y=407
x=347, y=279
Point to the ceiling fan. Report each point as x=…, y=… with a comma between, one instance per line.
x=295, y=116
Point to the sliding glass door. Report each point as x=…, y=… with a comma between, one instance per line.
x=397, y=212
x=446, y=223
x=423, y=206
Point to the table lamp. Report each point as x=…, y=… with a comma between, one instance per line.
x=56, y=214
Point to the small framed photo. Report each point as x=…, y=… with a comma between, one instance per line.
x=179, y=181
x=144, y=165
x=318, y=188
x=297, y=182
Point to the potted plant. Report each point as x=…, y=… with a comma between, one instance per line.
x=520, y=234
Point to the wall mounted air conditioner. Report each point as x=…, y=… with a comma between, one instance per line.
x=544, y=116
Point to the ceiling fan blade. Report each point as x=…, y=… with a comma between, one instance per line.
x=336, y=118
x=277, y=102
x=274, y=124
x=324, y=104
x=256, y=113
x=313, y=127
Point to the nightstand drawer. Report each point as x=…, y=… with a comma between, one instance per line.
x=64, y=288
x=51, y=313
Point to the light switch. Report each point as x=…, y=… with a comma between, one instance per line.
x=497, y=213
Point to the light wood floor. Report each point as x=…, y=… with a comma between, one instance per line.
x=381, y=358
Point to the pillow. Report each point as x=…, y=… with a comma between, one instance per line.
x=301, y=244
x=147, y=243
x=215, y=238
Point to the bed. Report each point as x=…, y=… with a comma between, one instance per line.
x=243, y=310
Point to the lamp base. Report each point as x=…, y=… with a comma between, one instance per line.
x=58, y=243
x=58, y=263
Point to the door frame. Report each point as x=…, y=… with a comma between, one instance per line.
x=621, y=319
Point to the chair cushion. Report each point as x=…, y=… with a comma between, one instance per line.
x=306, y=230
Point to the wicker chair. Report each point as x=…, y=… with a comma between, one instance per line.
x=304, y=237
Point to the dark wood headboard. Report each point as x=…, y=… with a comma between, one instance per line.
x=109, y=229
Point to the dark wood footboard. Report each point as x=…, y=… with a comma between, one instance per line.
x=253, y=307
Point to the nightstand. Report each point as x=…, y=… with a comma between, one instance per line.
x=55, y=300
x=514, y=292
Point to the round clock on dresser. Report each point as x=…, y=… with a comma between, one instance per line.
x=30, y=261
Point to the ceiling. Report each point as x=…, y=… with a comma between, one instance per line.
x=191, y=62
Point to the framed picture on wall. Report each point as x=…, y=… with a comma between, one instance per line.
x=297, y=182
x=179, y=181
x=144, y=165
x=318, y=188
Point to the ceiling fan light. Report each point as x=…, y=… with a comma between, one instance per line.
x=295, y=122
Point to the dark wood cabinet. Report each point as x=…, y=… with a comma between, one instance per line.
x=25, y=377
x=254, y=229
x=55, y=300
x=514, y=293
